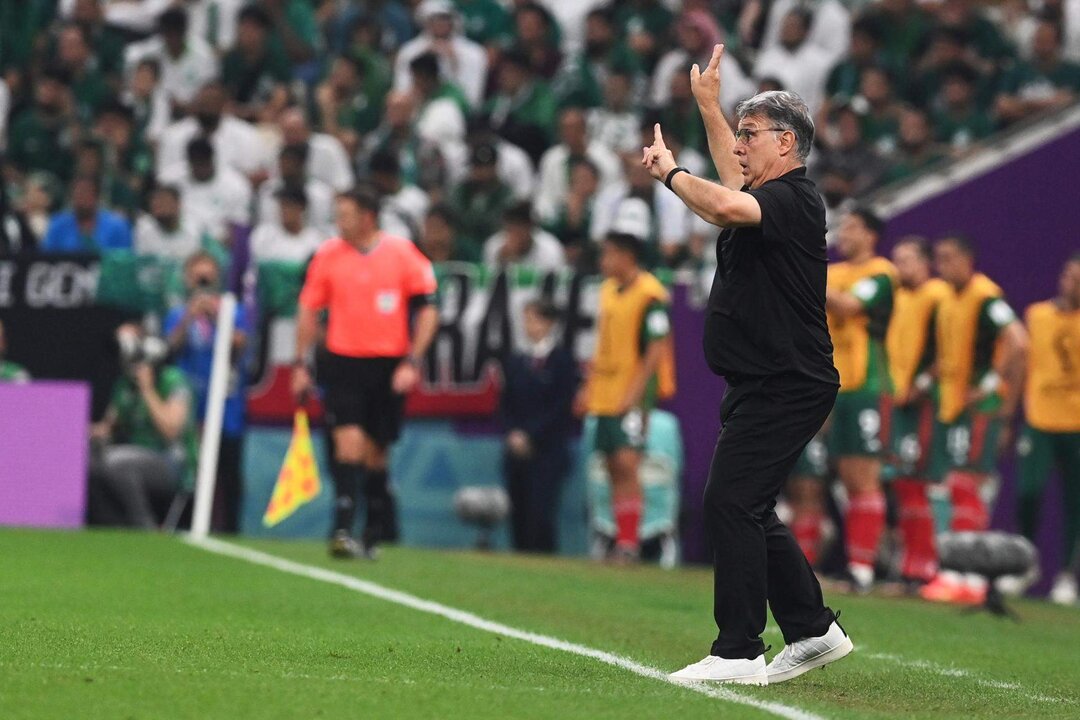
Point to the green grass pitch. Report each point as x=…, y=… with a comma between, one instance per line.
x=125, y=626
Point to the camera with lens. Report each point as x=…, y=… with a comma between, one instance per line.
x=136, y=349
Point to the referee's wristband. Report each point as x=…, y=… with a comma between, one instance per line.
x=671, y=175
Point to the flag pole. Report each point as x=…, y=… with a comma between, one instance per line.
x=210, y=443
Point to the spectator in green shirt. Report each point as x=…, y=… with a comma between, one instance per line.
x=256, y=73
x=484, y=21
x=107, y=41
x=905, y=30
x=916, y=149
x=128, y=160
x=9, y=371
x=865, y=50
x=522, y=110
x=879, y=109
x=959, y=119
x=294, y=30
x=580, y=83
x=441, y=243
x=480, y=201
x=536, y=35
x=88, y=85
x=145, y=446
x=346, y=108
x=644, y=26
x=42, y=136
x=1047, y=82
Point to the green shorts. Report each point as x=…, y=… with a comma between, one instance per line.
x=911, y=438
x=1040, y=452
x=615, y=432
x=860, y=424
x=968, y=443
x=814, y=460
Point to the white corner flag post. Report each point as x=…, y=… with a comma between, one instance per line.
x=210, y=442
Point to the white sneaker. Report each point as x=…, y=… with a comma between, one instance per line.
x=718, y=669
x=1064, y=590
x=810, y=653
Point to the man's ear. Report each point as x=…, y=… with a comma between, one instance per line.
x=787, y=143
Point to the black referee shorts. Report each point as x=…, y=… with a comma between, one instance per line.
x=359, y=392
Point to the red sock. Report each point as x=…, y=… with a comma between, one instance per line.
x=919, y=559
x=969, y=511
x=806, y=528
x=627, y=512
x=864, y=523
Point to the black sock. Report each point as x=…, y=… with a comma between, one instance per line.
x=377, y=495
x=347, y=477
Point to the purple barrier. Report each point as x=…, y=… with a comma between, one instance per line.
x=43, y=446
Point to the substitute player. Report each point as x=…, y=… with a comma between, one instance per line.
x=981, y=346
x=368, y=280
x=1051, y=435
x=910, y=347
x=859, y=302
x=632, y=367
x=766, y=334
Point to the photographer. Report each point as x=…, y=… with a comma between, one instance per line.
x=190, y=329
x=144, y=448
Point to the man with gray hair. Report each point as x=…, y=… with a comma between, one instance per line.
x=765, y=333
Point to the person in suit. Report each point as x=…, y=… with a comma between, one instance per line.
x=538, y=392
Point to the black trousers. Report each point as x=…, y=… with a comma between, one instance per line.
x=766, y=424
x=534, y=485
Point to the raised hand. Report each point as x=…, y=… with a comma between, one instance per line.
x=657, y=158
x=706, y=85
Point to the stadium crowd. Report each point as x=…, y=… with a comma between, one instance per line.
x=495, y=132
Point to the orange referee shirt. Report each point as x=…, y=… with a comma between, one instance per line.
x=367, y=294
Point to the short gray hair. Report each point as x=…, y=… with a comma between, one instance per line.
x=785, y=110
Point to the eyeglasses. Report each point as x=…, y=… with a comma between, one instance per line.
x=745, y=136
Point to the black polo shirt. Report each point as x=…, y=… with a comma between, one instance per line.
x=766, y=313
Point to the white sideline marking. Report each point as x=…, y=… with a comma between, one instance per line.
x=467, y=618
x=955, y=672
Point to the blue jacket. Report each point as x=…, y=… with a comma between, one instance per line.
x=111, y=232
x=538, y=396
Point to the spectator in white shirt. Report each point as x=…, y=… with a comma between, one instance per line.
x=440, y=119
x=327, y=160
x=670, y=221
x=291, y=239
x=522, y=243
x=615, y=125
x=462, y=61
x=165, y=232
x=237, y=144
x=555, y=164
x=187, y=63
x=292, y=173
x=697, y=32
x=799, y=65
x=830, y=25
x=403, y=205
x=512, y=164
x=215, y=198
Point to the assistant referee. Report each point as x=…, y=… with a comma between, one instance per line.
x=370, y=281
x=765, y=333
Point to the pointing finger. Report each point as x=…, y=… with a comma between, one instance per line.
x=717, y=53
x=658, y=139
